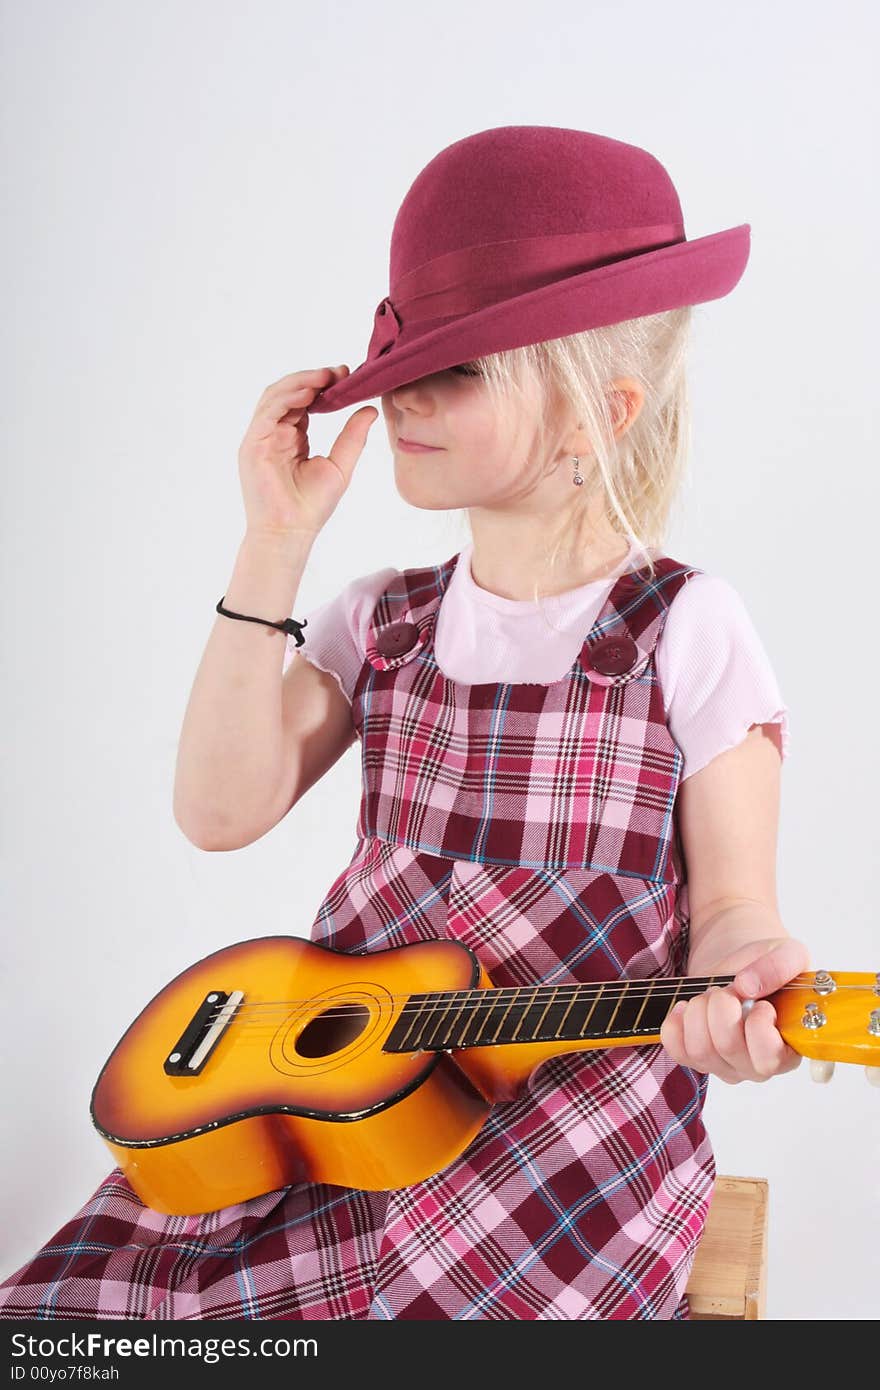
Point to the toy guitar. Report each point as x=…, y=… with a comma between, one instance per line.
x=277, y=1061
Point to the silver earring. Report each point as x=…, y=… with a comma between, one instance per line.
x=577, y=479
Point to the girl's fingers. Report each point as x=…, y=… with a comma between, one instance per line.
x=349, y=443
x=704, y=1055
x=787, y=959
x=769, y=1053
x=316, y=377
x=725, y=1025
x=294, y=393
x=672, y=1034
x=708, y=1034
x=684, y=1034
x=697, y=1043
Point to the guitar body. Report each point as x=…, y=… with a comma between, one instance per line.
x=300, y=1091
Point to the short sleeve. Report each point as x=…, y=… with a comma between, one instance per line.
x=335, y=633
x=716, y=676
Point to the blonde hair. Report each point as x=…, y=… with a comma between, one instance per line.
x=637, y=475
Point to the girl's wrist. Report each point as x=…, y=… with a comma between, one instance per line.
x=735, y=929
x=263, y=539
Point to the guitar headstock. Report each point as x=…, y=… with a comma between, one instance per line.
x=832, y=1017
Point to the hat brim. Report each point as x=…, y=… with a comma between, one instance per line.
x=690, y=272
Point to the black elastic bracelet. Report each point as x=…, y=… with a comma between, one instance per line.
x=290, y=625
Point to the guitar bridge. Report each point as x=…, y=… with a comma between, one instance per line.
x=202, y=1034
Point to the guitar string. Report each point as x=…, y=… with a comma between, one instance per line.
x=485, y=1000
x=645, y=982
x=428, y=999
x=273, y=1023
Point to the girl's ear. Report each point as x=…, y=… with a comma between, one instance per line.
x=626, y=399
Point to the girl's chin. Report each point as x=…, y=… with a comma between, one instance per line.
x=425, y=502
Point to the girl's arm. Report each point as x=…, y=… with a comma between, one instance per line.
x=250, y=743
x=239, y=751
x=729, y=818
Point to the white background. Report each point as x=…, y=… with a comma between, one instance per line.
x=199, y=200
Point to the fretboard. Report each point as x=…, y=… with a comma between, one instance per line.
x=540, y=1013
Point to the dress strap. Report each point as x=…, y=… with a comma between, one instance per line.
x=401, y=621
x=621, y=641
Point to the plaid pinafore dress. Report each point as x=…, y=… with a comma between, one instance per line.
x=536, y=824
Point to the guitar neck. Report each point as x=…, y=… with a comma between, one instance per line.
x=541, y=1013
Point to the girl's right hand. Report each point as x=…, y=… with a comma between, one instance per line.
x=284, y=488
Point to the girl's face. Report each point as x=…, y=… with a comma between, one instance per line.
x=484, y=456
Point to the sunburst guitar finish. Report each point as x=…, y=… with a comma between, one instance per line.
x=277, y=1061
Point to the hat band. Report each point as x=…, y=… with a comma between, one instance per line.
x=461, y=282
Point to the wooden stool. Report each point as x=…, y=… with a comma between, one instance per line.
x=729, y=1275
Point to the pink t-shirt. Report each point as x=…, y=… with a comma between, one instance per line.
x=714, y=673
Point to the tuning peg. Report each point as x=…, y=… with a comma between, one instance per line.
x=821, y=1071
x=873, y=1075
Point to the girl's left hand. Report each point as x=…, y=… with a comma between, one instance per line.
x=710, y=1034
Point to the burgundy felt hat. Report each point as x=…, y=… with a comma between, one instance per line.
x=522, y=233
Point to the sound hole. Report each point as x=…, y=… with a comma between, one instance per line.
x=332, y=1031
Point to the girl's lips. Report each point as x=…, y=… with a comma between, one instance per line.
x=411, y=448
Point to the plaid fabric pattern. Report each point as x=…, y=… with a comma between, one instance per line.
x=536, y=824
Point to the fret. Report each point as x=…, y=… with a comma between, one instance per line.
x=562, y=999
x=534, y=1003
x=490, y=1004
x=671, y=1005
x=599, y=1009
x=427, y=1005
x=547, y=1007
x=417, y=1015
x=632, y=1010
x=513, y=1018
x=483, y=1012
x=459, y=1006
x=623, y=994
x=586, y=997
x=408, y=1018
x=638, y=1019
x=441, y=1017
x=507, y=1008
x=475, y=1015
x=536, y=1016
x=561, y=1026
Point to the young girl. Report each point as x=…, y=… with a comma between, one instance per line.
x=571, y=748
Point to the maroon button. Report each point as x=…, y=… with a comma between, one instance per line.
x=396, y=639
x=614, y=656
